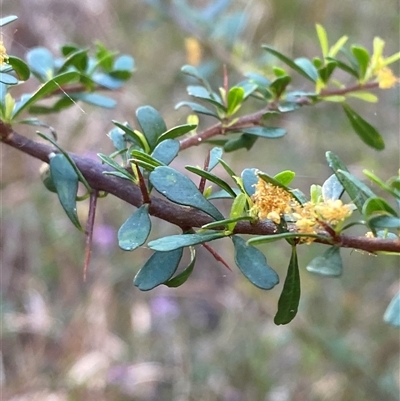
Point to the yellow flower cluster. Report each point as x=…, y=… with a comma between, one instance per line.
x=272, y=202
x=3, y=53
x=386, y=78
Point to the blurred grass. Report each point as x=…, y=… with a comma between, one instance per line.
x=212, y=339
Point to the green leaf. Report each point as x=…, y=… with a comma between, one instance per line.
x=226, y=222
x=77, y=59
x=166, y=151
x=197, y=108
x=180, y=189
x=265, y=132
x=326, y=71
x=332, y=188
x=362, y=56
x=287, y=61
x=265, y=239
x=49, y=87
x=215, y=155
x=237, y=210
x=328, y=264
x=139, y=156
x=384, y=222
x=323, y=40
x=123, y=67
x=158, y=269
x=151, y=123
x=96, y=100
x=124, y=173
x=134, y=232
x=392, y=313
x=181, y=278
x=134, y=136
x=234, y=99
x=65, y=182
x=278, y=86
x=20, y=67
x=253, y=264
x=243, y=141
x=285, y=177
x=377, y=205
x=202, y=93
x=212, y=178
x=176, y=132
x=308, y=67
x=366, y=96
x=337, y=46
x=250, y=179
x=7, y=20
x=383, y=185
x=183, y=240
x=343, y=66
x=290, y=297
x=41, y=63
x=352, y=187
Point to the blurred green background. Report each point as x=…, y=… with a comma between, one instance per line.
x=214, y=338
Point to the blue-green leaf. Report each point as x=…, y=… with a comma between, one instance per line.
x=384, y=222
x=215, y=155
x=253, y=265
x=180, y=189
x=392, y=313
x=158, y=269
x=151, y=123
x=182, y=240
x=41, y=63
x=363, y=129
x=288, y=303
x=265, y=132
x=197, y=108
x=307, y=67
x=44, y=90
x=202, y=93
x=65, y=182
x=328, y=264
x=212, y=178
x=250, y=179
x=358, y=194
x=289, y=62
x=193, y=72
x=96, y=100
x=166, y=151
x=7, y=20
x=134, y=232
x=181, y=278
x=243, y=141
x=332, y=188
x=112, y=163
x=8, y=79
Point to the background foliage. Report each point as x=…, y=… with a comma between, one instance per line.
x=214, y=338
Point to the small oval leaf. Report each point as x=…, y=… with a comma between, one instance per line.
x=134, y=232
x=180, y=189
x=65, y=182
x=158, y=269
x=166, y=151
x=328, y=264
x=253, y=264
x=151, y=123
